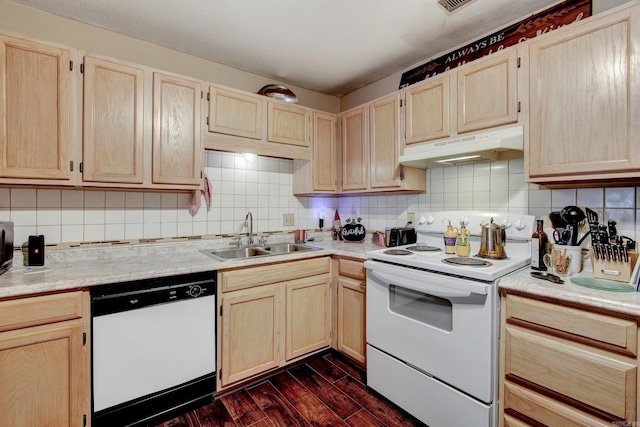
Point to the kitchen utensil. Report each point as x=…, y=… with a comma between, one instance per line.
x=562, y=236
x=575, y=266
x=592, y=219
x=573, y=215
x=492, y=241
x=546, y=276
x=556, y=220
x=612, y=229
x=558, y=261
x=279, y=92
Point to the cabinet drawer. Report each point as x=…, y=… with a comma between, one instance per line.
x=509, y=421
x=546, y=410
x=26, y=312
x=604, y=383
x=351, y=268
x=597, y=328
x=272, y=273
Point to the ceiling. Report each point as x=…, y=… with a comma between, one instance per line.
x=332, y=46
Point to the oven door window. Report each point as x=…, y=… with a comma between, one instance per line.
x=424, y=308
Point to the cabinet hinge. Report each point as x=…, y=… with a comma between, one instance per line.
x=84, y=419
x=81, y=68
x=201, y=94
x=81, y=167
x=401, y=102
x=70, y=65
x=201, y=175
x=518, y=106
x=401, y=174
x=221, y=311
x=518, y=62
x=84, y=339
x=71, y=165
x=207, y=121
x=220, y=374
x=208, y=96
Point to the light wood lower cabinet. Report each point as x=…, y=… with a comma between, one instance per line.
x=351, y=304
x=567, y=366
x=44, y=361
x=271, y=315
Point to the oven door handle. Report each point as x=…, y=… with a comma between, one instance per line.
x=418, y=286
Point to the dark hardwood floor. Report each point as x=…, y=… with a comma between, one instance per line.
x=326, y=390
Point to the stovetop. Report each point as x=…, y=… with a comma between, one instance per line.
x=430, y=231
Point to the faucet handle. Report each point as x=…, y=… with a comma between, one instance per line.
x=238, y=240
x=263, y=240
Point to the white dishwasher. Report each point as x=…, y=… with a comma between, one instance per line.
x=153, y=348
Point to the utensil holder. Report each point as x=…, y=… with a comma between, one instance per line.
x=619, y=271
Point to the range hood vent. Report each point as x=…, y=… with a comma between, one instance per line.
x=452, y=5
x=491, y=145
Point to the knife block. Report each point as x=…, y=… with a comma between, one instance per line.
x=619, y=271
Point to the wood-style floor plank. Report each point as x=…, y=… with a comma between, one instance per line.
x=327, y=369
x=275, y=406
x=364, y=418
x=356, y=373
x=189, y=419
x=242, y=408
x=379, y=407
x=305, y=402
x=331, y=396
x=215, y=415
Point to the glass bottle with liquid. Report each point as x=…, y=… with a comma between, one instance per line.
x=539, y=247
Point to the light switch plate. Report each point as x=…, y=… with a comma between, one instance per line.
x=288, y=220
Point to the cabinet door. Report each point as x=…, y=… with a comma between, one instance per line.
x=351, y=318
x=35, y=110
x=308, y=320
x=235, y=113
x=584, y=104
x=251, y=332
x=113, y=131
x=41, y=376
x=487, y=92
x=384, y=143
x=427, y=110
x=325, y=162
x=355, y=156
x=177, y=146
x=288, y=124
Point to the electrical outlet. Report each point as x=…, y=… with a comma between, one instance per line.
x=288, y=220
x=411, y=218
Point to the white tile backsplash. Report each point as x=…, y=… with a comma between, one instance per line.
x=264, y=187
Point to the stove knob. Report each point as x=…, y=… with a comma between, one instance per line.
x=464, y=221
x=430, y=219
x=520, y=225
x=422, y=220
x=507, y=222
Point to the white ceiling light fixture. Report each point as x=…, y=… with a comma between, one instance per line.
x=452, y=5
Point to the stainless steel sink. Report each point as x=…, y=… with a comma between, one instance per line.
x=257, y=251
x=287, y=248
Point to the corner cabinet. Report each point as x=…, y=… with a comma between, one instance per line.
x=45, y=360
x=584, y=102
x=566, y=365
x=351, y=305
x=36, y=111
x=270, y=316
x=371, y=144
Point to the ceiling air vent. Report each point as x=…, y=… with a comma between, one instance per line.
x=452, y=5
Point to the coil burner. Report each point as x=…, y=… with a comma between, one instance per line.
x=469, y=262
x=398, y=252
x=423, y=248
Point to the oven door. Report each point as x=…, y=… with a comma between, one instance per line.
x=442, y=325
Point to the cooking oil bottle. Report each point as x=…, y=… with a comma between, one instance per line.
x=450, y=235
x=463, y=246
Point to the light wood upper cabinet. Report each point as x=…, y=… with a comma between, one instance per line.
x=288, y=124
x=178, y=154
x=487, y=92
x=35, y=110
x=44, y=361
x=113, y=131
x=384, y=140
x=427, y=110
x=584, y=106
x=355, y=153
x=235, y=112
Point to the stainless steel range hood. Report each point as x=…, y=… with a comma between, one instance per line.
x=490, y=145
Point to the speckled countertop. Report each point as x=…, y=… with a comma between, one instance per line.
x=73, y=268
x=621, y=302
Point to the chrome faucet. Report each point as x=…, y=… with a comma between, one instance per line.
x=250, y=226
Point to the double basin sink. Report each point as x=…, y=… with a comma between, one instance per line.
x=247, y=252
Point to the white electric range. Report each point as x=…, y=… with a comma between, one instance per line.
x=432, y=327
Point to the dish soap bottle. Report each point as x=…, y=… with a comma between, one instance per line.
x=539, y=247
x=463, y=246
x=450, y=236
